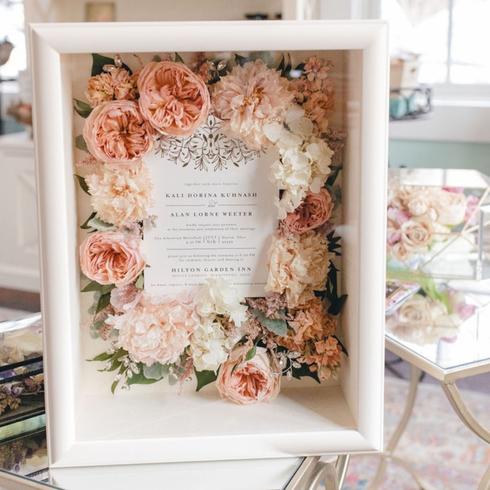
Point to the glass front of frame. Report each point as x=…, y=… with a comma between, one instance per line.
x=214, y=222
x=209, y=201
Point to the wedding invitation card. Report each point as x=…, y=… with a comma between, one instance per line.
x=215, y=212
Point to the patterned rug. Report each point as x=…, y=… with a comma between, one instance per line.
x=444, y=453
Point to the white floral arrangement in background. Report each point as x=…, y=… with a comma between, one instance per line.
x=208, y=332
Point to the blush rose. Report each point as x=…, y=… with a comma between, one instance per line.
x=115, y=132
x=111, y=257
x=246, y=382
x=173, y=99
x=315, y=210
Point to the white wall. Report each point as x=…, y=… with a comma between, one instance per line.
x=152, y=10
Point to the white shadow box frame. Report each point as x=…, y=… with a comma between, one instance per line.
x=144, y=427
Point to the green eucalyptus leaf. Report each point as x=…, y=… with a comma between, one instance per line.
x=140, y=282
x=80, y=143
x=156, y=371
x=99, y=225
x=85, y=225
x=251, y=353
x=156, y=58
x=114, y=386
x=140, y=379
x=178, y=58
x=83, y=184
x=104, y=356
x=92, y=286
x=82, y=108
x=95, y=286
x=103, y=302
x=204, y=378
x=278, y=327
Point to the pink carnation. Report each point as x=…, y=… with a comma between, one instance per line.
x=248, y=98
x=172, y=98
x=116, y=83
x=157, y=329
x=111, y=257
x=116, y=132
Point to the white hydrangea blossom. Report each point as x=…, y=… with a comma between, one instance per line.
x=304, y=160
x=217, y=297
x=210, y=346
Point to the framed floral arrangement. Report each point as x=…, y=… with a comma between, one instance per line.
x=216, y=217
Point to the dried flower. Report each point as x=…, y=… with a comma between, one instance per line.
x=249, y=97
x=116, y=132
x=173, y=99
x=120, y=195
x=116, y=83
x=244, y=381
x=298, y=265
x=156, y=329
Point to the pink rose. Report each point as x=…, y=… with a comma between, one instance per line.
x=173, y=99
x=315, y=210
x=111, y=257
x=245, y=382
x=116, y=132
x=157, y=329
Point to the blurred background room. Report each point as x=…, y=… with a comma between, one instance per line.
x=439, y=115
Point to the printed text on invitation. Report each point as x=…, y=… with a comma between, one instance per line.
x=214, y=214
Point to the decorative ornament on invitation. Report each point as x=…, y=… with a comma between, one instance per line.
x=209, y=148
x=211, y=251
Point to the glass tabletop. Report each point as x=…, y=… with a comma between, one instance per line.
x=450, y=330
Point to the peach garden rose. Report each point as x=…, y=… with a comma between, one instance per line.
x=115, y=132
x=245, y=382
x=315, y=211
x=173, y=99
x=111, y=257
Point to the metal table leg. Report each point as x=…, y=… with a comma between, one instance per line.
x=466, y=416
x=485, y=481
x=314, y=471
x=415, y=374
x=463, y=412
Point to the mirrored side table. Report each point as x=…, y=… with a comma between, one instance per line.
x=446, y=349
